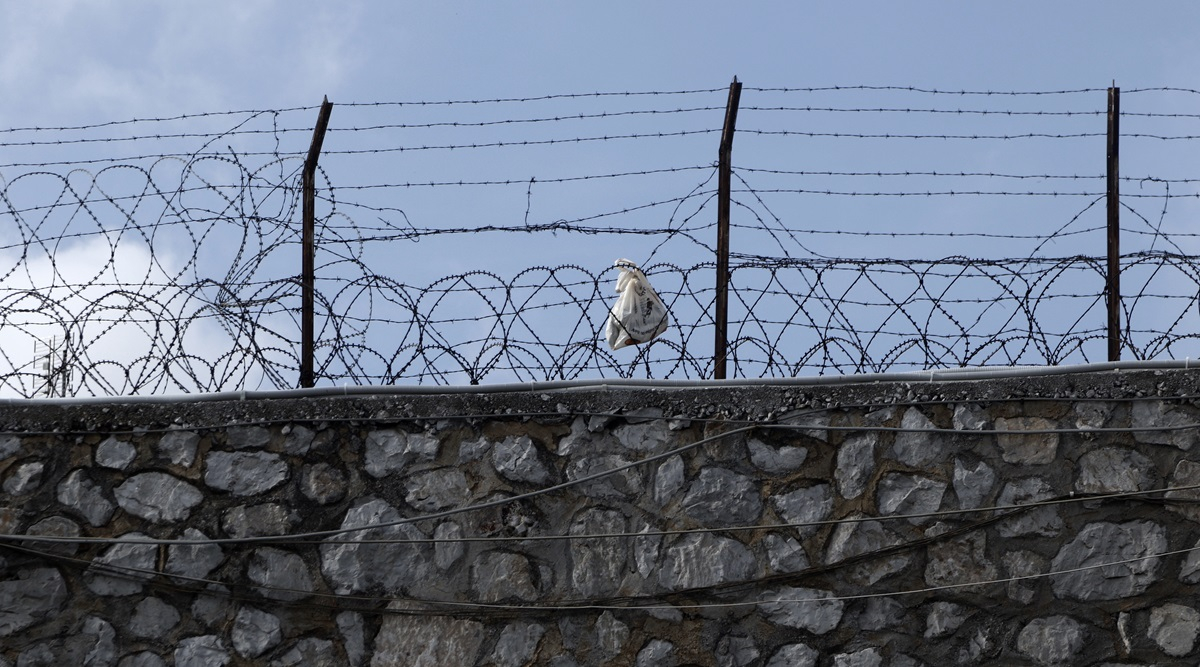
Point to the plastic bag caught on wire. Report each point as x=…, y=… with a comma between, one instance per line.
x=639, y=314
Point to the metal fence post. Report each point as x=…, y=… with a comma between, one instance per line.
x=1113, y=289
x=724, y=174
x=308, y=271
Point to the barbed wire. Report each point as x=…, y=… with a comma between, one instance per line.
x=174, y=268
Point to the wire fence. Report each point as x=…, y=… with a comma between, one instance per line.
x=472, y=241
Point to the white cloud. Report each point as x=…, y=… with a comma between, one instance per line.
x=130, y=327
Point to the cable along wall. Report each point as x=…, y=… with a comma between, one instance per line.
x=912, y=523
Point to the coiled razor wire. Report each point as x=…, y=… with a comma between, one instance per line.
x=176, y=269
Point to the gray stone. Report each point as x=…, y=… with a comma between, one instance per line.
x=881, y=614
x=516, y=458
x=327, y=443
x=1124, y=632
x=702, y=559
x=501, y=575
x=1185, y=476
x=391, y=451
x=1174, y=628
x=255, y=632
x=43, y=655
x=54, y=526
x=1022, y=563
x=354, y=637
x=1027, y=448
x=972, y=484
x=123, y=567
x=258, y=520
x=1044, y=521
x=794, y=655
x=1100, y=543
x=1165, y=425
x=202, y=651
x=247, y=437
x=721, y=497
x=914, y=445
x=867, y=657
x=115, y=454
x=776, y=460
x=580, y=439
x=1189, y=571
x=309, y=652
x=179, y=447
x=153, y=619
x=448, y=547
x=668, y=479
x=598, y=565
x=1114, y=470
x=193, y=561
x=960, y=561
x=646, y=437
x=1052, y=640
x=944, y=618
x=297, y=439
x=244, y=473
x=610, y=638
x=517, y=644
x=802, y=608
x=35, y=594
x=982, y=645
x=901, y=493
x=97, y=643
x=969, y=417
x=736, y=651
x=785, y=553
x=85, y=498
x=855, y=463
x=427, y=640
x=625, y=484
x=158, y=497
x=26, y=478
x=473, y=450
x=1092, y=415
x=855, y=537
x=812, y=424
x=142, y=659
x=280, y=575
x=645, y=551
x=322, y=483
x=212, y=607
x=805, y=507
x=9, y=446
x=437, y=489
x=657, y=652
x=352, y=567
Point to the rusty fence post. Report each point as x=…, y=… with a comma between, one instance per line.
x=1113, y=289
x=724, y=175
x=308, y=270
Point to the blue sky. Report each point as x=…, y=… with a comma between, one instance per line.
x=66, y=63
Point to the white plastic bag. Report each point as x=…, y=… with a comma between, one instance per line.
x=639, y=314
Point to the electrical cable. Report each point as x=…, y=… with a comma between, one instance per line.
x=629, y=602
x=312, y=539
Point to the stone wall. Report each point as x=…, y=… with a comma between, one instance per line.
x=780, y=525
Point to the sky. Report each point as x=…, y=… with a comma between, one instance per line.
x=66, y=63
